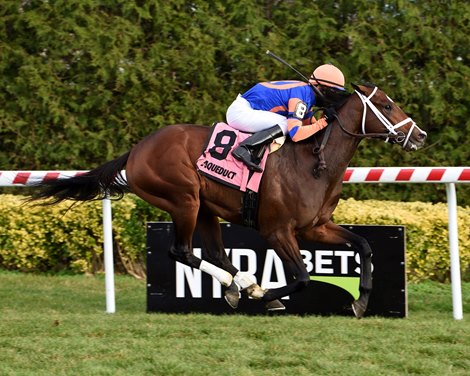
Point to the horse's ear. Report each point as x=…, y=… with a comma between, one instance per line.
x=364, y=89
x=357, y=87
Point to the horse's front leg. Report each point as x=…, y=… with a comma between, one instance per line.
x=330, y=233
x=286, y=246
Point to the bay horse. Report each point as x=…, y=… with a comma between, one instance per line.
x=294, y=202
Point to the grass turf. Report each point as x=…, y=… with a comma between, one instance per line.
x=57, y=325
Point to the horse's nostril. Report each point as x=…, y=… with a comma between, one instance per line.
x=422, y=136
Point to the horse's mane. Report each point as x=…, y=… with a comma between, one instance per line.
x=335, y=98
x=332, y=97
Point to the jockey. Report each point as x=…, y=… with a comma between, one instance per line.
x=287, y=104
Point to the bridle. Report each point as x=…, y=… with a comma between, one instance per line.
x=392, y=136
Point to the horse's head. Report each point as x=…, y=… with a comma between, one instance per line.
x=381, y=114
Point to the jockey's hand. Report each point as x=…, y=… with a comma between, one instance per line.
x=321, y=123
x=329, y=114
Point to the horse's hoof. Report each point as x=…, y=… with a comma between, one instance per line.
x=232, y=295
x=255, y=291
x=232, y=300
x=359, y=309
x=275, y=305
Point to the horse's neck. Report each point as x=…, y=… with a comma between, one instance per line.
x=341, y=147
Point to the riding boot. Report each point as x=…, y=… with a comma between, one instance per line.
x=248, y=149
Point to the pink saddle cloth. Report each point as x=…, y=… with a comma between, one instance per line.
x=217, y=162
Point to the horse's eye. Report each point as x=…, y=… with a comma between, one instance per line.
x=388, y=107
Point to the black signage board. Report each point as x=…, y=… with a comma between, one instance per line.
x=334, y=273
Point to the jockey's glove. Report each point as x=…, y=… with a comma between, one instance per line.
x=329, y=113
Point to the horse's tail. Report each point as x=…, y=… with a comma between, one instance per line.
x=103, y=181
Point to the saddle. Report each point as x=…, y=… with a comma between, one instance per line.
x=217, y=163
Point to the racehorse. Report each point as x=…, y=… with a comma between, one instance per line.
x=295, y=199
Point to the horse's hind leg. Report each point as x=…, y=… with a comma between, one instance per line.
x=213, y=250
x=212, y=245
x=330, y=233
x=182, y=203
x=286, y=246
x=184, y=221
x=182, y=249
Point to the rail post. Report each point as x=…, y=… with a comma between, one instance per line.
x=108, y=256
x=454, y=252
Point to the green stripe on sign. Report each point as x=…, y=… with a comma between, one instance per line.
x=350, y=284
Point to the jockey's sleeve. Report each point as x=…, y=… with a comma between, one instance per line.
x=298, y=112
x=297, y=132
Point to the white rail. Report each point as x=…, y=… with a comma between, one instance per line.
x=447, y=175
x=25, y=178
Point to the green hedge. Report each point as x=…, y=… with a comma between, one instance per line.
x=56, y=239
x=427, y=245
x=60, y=238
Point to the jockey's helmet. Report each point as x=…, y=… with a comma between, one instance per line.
x=328, y=75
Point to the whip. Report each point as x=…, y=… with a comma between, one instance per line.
x=281, y=60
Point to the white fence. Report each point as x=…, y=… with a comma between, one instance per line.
x=444, y=175
x=25, y=178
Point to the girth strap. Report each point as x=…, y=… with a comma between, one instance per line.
x=250, y=208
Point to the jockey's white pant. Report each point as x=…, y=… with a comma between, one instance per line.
x=241, y=116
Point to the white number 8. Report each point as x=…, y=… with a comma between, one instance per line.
x=300, y=110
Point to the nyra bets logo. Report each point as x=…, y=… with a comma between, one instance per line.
x=338, y=267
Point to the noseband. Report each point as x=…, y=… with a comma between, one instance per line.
x=392, y=135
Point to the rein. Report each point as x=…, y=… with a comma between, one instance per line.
x=318, y=150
